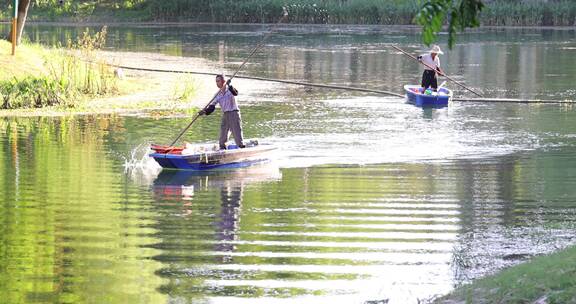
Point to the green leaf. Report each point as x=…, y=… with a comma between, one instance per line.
x=461, y=14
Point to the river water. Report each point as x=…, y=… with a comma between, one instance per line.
x=368, y=199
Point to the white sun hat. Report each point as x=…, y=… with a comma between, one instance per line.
x=436, y=49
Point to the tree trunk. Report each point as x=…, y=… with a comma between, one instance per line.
x=22, y=14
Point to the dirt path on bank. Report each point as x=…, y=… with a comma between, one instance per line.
x=161, y=91
x=157, y=90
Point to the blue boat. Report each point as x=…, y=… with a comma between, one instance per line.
x=417, y=96
x=209, y=157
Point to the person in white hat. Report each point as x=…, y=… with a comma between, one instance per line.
x=431, y=62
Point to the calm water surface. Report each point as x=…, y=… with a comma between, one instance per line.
x=368, y=199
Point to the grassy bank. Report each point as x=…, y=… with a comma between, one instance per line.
x=496, y=12
x=38, y=77
x=76, y=78
x=55, y=81
x=546, y=279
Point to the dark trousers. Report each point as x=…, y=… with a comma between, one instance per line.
x=231, y=121
x=429, y=79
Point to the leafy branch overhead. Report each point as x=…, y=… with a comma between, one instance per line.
x=461, y=14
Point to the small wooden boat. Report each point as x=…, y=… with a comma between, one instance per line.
x=416, y=95
x=208, y=157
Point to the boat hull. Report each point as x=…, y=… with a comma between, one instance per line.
x=415, y=97
x=220, y=159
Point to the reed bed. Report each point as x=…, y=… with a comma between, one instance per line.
x=384, y=12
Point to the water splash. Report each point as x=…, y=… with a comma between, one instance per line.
x=139, y=167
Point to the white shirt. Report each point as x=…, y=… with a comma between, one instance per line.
x=427, y=59
x=226, y=100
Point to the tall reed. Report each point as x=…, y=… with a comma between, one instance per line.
x=530, y=12
x=300, y=11
x=496, y=12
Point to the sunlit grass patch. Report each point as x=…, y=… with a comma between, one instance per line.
x=549, y=279
x=185, y=88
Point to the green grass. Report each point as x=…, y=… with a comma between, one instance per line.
x=29, y=60
x=551, y=277
x=185, y=89
x=50, y=77
x=40, y=77
x=25, y=80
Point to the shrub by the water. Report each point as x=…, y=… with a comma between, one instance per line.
x=31, y=92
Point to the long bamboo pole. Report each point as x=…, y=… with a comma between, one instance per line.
x=284, y=16
x=327, y=86
x=430, y=67
x=309, y=84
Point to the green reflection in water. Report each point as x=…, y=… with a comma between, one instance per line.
x=68, y=235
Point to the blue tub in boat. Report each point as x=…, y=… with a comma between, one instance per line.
x=416, y=96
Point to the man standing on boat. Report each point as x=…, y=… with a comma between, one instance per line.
x=231, y=120
x=432, y=66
